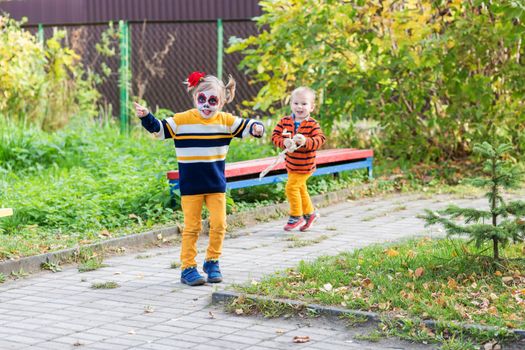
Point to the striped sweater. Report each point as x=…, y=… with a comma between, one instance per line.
x=201, y=146
x=301, y=161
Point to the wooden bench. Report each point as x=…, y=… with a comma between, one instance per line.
x=246, y=173
x=6, y=212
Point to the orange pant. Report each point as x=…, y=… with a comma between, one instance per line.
x=297, y=194
x=192, y=210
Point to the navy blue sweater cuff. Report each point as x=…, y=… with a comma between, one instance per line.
x=150, y=123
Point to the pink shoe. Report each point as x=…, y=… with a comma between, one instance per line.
x=293, y=222
x=310, y=219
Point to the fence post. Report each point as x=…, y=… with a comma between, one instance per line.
x=40, y=35
x=124, y=76
x=220, y=40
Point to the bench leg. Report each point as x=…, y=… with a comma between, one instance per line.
x=174, y=187
x=370, y=168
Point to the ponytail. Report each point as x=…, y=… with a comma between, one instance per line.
x=230, y=89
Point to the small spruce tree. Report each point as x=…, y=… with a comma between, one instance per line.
x=502, y=222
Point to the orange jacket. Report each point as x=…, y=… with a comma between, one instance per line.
x=301, y=161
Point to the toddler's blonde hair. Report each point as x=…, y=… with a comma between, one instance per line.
x=304, y=90
x=226, y=92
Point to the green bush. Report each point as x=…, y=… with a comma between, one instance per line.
x=435, y=75
x=42, y=85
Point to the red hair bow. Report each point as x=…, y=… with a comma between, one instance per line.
x=195, y=78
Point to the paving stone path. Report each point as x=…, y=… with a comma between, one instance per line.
x=152, y=310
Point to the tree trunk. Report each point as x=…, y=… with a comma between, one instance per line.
x=495, y=248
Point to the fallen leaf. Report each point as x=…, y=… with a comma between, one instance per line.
x=419, y=272
x=211, y=315
x=498, y=273
x=148, y=309
x=492, y=345
x=452, y=284
x=391, y=252
x=384, y=306
x=327, y=287
x=159, y=236
x=239, y=311
x=411, y=254
x=131, y=331
x=367, y=283
x=507, y=279
x=301, y=339
x=279, y=331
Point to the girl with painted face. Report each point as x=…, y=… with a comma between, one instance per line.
x=202, y=136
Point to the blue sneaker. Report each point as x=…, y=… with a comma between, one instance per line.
x=191, y=277
x=211, y=267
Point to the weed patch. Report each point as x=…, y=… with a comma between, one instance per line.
x=105, y=285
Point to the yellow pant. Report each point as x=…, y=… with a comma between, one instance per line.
x=297, y=194
x=192, y=210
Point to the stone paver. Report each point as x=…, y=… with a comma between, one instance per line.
x=153, y=310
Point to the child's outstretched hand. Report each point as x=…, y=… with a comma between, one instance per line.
x=258, y=130
x=141, y=111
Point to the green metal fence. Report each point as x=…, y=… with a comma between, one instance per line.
x=136, y=39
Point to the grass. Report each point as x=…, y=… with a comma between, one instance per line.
x=91, y=265
x=446, y=280
x=51, y=266
x=2, y=278
x=297, y=242
x=105, y=285
x=89, y=260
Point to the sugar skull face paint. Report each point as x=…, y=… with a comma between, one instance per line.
x=207, y=102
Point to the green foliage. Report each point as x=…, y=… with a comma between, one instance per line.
x=499, y=175
x=81, y=181
x=42, y=85
x=432, y=75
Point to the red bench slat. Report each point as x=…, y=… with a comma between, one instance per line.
x=255, y=166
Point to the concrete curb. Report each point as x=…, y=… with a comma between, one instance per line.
x=32, y=264
x=226, y=296
x=331, y=311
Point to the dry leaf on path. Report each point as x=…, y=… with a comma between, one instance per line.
x=301, y=339
x=211, y=315
x=148, y=309
x=239, y=311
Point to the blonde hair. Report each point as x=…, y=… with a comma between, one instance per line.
x=226, y=92
x=304, y=90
